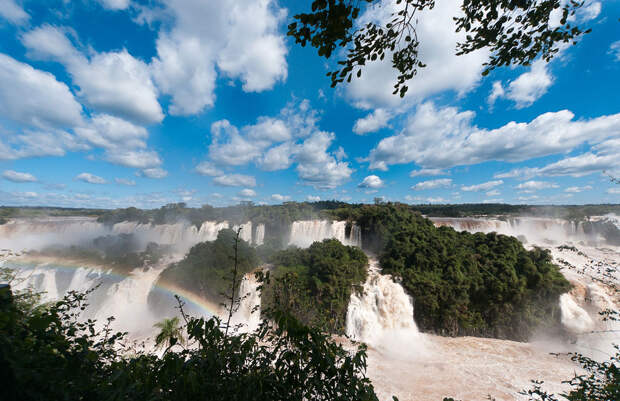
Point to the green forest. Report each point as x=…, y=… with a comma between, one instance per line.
x=315, y=284
x=462, y=283
x=206, y=269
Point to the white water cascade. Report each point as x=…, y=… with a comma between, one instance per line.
x=382, y=315
x=305, y=232
x=540, y=230
x=248, y=313
x=38, y=233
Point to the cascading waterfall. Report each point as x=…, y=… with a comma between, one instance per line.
x=305, y=232
x=259, y=234
x=383, y=313
x=38, y=233
x=595, y=230
x=248, y=313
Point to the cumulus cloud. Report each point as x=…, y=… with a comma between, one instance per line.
x=115, y=5
x=482, y=187
x=432, y=184
x=247, y=193
x=372, y=122
x=445, y=137
x=90, y=178
x=155, y=173
x=494, y=192
x=614, y=50
x=312, y=198
x=613, y=191
x=536, y=185
x=48, y=103
x=318, y=168
x=531, y=85
x=13, y=12
x=113, y=82
x=601, y=157
x=578, y=189
x=235, y=180
x=16, y=176
x=372, y=181
x=276, y=143
x=33, y=143
x=125, y=181
x=239, y=38
x=207, y=168
x=496, y=92
x=428, y=172
x=280, y=198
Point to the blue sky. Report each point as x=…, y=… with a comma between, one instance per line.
x=113, y=103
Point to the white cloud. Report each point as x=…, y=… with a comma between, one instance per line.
x=247, y=193
x=527, y=198
x=278, y=157
x=436, y=200
x=578, y=189
x=372, y=181
x=312, y=198
x=207, y=168
x=614, y=50
x=272, y=144
x=432, y=184
x=35, y=97
x=589, y=12
x=114, y=82
x=316, y=167
x=445, y=137
x=90, y=178
x=280, y=198
x=482, y=187
x=372, y=122
x=155, y=173
x=31, y=143
x=601, y=157
x=240, y=37
x=531, y=85
x=494, y=192
x=16, y=176
x=251, y=143
x=496, y=93
x=13, y=12
x=111, y=132
x=115, y=4
x=235, y=180
x=125, y=181
x=428, y=172
x=536, y=186
x=444, y=71
x=613, y=191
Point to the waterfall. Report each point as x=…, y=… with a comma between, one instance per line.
x=39, y=233
x=259, y=235
x=542, y=230
x=574, y=318
x=305, y=232
x=248, y=313
x=383, y=313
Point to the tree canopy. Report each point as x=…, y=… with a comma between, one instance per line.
x=516, y=32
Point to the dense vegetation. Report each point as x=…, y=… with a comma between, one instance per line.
x=315, y=284
x=462, y=283
x=48, y=353
x=206, y=268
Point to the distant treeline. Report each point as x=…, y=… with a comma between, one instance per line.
x=291, y=211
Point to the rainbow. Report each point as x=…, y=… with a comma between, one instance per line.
x=206, y=307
